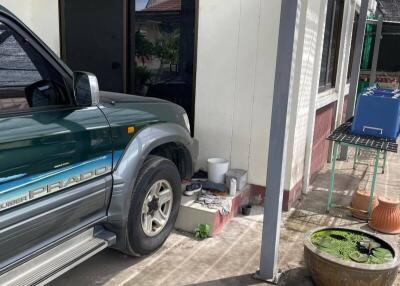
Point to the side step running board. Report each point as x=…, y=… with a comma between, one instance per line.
x=47, y=266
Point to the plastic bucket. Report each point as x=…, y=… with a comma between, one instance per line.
x=217, y=168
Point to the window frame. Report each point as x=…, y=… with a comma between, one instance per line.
x=336, y=24
x=21, y=30
x=353, y=44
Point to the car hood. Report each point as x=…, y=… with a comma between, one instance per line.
x=124, y=110
x=113, y=97
x=120, y=108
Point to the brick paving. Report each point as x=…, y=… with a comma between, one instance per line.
x=232, y=257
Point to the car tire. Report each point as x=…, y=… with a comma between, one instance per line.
x=155, y=171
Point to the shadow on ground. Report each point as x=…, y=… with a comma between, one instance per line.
x=245, y=280
x=99, y=269
x=294, y=277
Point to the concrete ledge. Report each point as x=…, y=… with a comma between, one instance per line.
x=290, y=197
x=191, y=214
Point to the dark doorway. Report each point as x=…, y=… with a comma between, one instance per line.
x=143, y=47
x=92, y=39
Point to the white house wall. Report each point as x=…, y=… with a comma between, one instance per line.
x=307, y=50
x=236, y=59
x=315, y=18
x=297, y=64
x=41, y=16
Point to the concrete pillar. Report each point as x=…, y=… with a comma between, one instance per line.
x=378, y=36
x=277, y=143
x=355, y=69
x=344, y=56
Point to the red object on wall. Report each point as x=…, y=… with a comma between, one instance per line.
x=323, y=125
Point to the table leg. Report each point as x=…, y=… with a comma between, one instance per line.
x=384, y=162
x=373, y=183
x=332, y=178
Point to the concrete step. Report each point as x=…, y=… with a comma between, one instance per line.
x=191, y=213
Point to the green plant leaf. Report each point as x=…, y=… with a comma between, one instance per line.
x=326, y=242
x=358, y=257
x=333, y=252
x=382, y=253
x=202, y=231
x=376, y=260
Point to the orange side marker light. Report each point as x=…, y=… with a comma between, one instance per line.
x=131, y=130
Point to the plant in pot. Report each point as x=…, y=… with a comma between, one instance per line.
x=342, y=256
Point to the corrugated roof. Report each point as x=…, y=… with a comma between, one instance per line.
x=168, y=5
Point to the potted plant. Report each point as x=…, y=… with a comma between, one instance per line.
x=343, y=256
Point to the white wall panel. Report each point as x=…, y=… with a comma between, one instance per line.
x=309, y=36
x=41, y=16
x=236, y=60
x=245, y=83
x=218, y=32
x=295, y=171
x=297, y=61
x=264, y=88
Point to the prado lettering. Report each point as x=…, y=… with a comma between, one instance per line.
x=25, y=189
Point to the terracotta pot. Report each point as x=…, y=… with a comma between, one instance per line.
x=386, y=216
x=360, y=202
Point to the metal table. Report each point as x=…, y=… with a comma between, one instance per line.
x=342, y=137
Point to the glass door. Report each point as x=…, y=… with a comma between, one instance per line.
x=164, y=51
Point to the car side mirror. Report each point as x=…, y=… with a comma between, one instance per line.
x=86, y=89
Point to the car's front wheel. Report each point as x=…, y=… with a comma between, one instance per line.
x=154, y=205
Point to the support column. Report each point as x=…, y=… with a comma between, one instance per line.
x=344, y=50
x=277, y=143
x=314, y=95
x=355, y=69
x=378, y=36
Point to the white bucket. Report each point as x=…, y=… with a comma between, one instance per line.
x=217, y=168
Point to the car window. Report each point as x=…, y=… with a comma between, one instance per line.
x=27, y=80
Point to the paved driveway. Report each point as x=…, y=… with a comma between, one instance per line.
x=232, y=257
x=228, y=259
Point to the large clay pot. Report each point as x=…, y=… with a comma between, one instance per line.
x=360, y=202
x=386, y=216
x=327, y=270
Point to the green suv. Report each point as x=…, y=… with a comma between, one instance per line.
x=80, y=169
